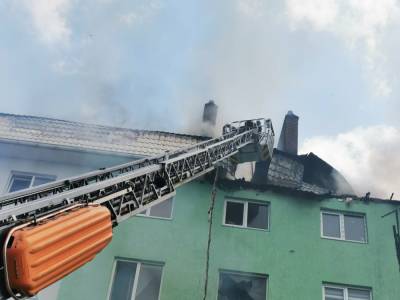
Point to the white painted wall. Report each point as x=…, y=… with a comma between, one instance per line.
x=50, y=161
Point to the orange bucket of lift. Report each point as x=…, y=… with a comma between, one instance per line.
x=38, y=255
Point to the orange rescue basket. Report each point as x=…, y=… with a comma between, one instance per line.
x=38, y=254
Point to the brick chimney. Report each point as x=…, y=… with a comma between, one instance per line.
x=289, y=135
x=210, y=112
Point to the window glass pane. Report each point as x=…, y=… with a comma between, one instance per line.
x=257, y=216
x=42, y=180
x=162, y=210
x=331, y=225
x=355, y=294
x=334, y=294
x=354, y=228
x=148, y=287
x=123, y=280
x=19, y=182
x=241, y=287
x=234, y=213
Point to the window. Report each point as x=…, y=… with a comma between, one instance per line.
x=242, y=286
x=332, y=292
x=133, y=280
x=343, y=226
x=22, y=180
x=162, y=210
x=246, y=214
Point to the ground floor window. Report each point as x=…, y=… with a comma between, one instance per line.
x=134, y=280
x=242, y=286
x=333, y=292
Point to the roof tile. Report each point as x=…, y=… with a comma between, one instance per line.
x=53, y=132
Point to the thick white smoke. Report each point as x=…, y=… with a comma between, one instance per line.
x=363, y=25
x=49, y=19
x=369, y=158
x=153, y=64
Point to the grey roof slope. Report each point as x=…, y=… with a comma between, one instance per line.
x=75, y=135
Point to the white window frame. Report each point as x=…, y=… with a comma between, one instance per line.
x=345, y=290
x=146, y=213
x=136, y=279
x=341, y=225
x=32, y=174
x=245, y=213
x=249, y=274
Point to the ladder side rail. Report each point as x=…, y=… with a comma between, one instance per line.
x=106, y=172
x=173, y=174
x=143, y=185
x=60, y=186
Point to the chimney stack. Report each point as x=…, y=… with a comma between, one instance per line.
x=210, y=113
x=288, y=140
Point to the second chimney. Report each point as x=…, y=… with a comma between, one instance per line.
x=210, y=112
x=288, y=140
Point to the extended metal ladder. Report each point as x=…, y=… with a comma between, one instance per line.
x=130, y=188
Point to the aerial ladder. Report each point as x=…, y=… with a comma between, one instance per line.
x=50, y=230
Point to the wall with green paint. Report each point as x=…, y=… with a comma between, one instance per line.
x=292, y=253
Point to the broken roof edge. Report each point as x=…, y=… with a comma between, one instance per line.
x=239, y=184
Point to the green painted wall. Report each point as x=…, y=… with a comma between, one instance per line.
x=293, y=255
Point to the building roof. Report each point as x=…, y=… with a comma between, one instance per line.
x=307, y=173
x=89, y=137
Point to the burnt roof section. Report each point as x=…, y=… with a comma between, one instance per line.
x=320, y=173
x=90, y=137
x=307, y=173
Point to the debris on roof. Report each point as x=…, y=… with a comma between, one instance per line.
x=287, y=169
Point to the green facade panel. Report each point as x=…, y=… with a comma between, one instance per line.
x=291, y=253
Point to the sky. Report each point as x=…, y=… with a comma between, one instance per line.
x=153, y=64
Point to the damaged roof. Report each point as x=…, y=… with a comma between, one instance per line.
x=307, y=173
x=76, y=135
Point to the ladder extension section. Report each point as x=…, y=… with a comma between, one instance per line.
x=130, y=188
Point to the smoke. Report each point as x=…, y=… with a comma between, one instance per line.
x=80, y=61
x=153, y=64
x=242, y=66
x=368, y=157
x=140, y=65
x=49, y=19
x=363, y=25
